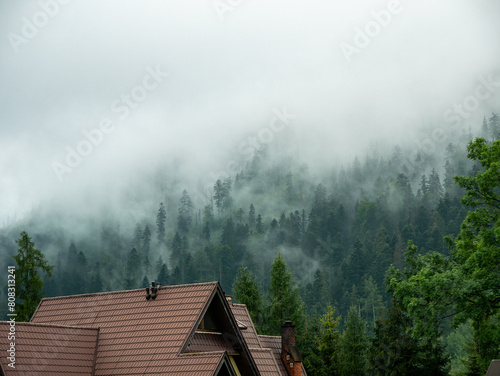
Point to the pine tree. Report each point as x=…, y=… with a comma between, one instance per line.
x=285, y=302
x=160, y=223
x=494, y=126
x=424, y=186
x=329, y=343
x=259, y=227
x=146, y=244
x=137, y=241
x=228, y=200
x=247, y=291
x=485, y=132
x=185, y=215
x=29, y=285
x=133, y=268
x=393, y=351
x=239, y=215
x=354, y=345
x=206, y=230
x=251, y=217
x=219, y=195
x=208, y=214
x=435, y=187
x=228, y=236
x=96, y=284
x=177, y=249
x=163, y=275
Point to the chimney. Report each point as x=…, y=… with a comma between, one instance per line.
x=289, y=353
x=154, y=290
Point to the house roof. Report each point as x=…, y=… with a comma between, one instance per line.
x=250, y=334
x=187, y=330
x=494, y=368
x=274, y=343
x=267, y=357
x=42, y=349
x=139, y=336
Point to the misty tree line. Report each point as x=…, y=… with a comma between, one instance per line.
x=338, y=235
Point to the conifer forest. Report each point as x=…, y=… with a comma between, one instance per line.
x=332, y=163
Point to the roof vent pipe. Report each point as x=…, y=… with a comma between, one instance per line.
x=154, y=290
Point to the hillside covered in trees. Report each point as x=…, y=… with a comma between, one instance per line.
x=320, y=238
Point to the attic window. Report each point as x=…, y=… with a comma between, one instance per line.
x=207, y=324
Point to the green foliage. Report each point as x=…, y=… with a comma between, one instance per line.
x=477, y=247
x=160, y=223
x=465, y=284
x=354, y=345
x=329, y=343
x=29, y=285
x=247, y=291
x=393, y=351
x=285, y=302
x=185, y=213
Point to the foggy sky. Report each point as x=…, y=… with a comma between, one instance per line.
x=209, y=74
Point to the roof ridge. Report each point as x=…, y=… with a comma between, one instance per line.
x=266, y=335
x=204, y=353
x=124, y=291
x=30, y=323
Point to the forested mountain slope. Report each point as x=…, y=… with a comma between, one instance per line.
x=338, y=228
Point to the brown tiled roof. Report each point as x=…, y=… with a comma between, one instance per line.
x=266, y=350
x=204, y=342
x=494, y=368
x=138, y=336
x=49, y=349
x=274, y=343
x=266, y=362
x=135, y=336
x=241, y=314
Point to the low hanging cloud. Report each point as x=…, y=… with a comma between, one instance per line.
x=95, y=92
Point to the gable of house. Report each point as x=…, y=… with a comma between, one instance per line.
x=177, y=330
x=152, y=336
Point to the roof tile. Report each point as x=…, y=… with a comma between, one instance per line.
x=48, y=349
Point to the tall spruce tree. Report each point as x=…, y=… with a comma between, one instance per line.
x=285, y=302
x=160, y=223
x=354, y=345
x=247, y=291
x=29, y=285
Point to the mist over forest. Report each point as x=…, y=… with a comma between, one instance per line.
x=183, y=143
